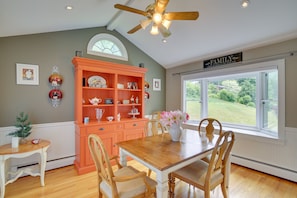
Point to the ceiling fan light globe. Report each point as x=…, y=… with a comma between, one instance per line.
x=145, y=23
x=154, y=30
x=166, y=34
x=166, y=23
x=164, y=31
x=157, y=18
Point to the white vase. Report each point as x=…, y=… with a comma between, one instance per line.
x=15, y=141
x=175, y=132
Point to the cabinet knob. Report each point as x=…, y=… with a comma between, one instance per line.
x=134, y=124
x=101, y=129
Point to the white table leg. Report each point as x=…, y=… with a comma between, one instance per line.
x=123, y=158
x=43, y=157
x=2, y=178
x=162, y=186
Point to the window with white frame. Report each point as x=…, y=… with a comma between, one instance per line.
x=249, y=97
x=107, y=45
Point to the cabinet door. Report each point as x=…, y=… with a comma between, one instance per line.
x=134, y=130
x=108, y=137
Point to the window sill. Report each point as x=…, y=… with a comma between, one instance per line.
x=247, y=134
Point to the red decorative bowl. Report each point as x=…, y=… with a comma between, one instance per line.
x=35, y=141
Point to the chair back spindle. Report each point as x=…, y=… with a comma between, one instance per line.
x=210, y=124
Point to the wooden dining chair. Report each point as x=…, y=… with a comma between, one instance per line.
x=153, y=127
x=125, y=182
x=156, y=115
x=207, y=176
x=209, y=124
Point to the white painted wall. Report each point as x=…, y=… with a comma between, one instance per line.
x=61, y=151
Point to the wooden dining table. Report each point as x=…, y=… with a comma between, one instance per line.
x=162, y=155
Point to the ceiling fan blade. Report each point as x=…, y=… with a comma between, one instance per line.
x=161, y=5
x=135, y=29
x=129, y=9
x=181, y=15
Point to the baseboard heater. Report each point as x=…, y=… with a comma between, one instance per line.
x=51, y=164
x=265, y=167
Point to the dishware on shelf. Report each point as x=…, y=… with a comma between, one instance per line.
x=120, y=86
x=134, y=114
x=126, y=101
x=95, y=101
x=97, y=81
x=109, y=118
x=99, y=113
x=86, y=120
x=108, y=101
x=134, y=111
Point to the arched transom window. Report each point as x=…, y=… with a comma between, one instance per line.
x=107, y=45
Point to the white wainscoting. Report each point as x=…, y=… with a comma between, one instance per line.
x=275, y=157
x=61, y=151
x=279, y=159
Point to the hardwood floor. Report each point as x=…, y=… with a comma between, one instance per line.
x=65, y=183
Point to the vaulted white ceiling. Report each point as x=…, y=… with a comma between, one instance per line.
x=222, y=27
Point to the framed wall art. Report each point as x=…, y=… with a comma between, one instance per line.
x=27, y=74
x=156, y=84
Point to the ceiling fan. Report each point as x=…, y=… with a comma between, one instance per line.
x=158, y=17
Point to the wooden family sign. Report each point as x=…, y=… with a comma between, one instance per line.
x=232, y=58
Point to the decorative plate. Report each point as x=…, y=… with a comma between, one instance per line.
x=146, y=85
x=146, y=95
x=96, y=81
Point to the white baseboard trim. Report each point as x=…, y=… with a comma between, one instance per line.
x=58, y=163
x=52, y=164
x=266, y=168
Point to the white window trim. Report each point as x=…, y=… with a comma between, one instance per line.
x=280, y=64
x=116, y=41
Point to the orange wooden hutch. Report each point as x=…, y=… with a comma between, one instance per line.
x=106, y=80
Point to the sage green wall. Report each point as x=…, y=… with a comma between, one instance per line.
x=57, y=49
x=173, y=82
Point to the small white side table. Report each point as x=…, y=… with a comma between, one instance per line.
x=24, y=150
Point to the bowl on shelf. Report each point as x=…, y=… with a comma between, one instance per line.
x=108, y=101
x=109, y=118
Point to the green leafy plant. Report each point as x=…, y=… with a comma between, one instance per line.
x=23, y=126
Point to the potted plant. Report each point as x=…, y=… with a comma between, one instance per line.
x=23, y=127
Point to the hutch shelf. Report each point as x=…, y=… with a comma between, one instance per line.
x=120, y=91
